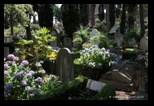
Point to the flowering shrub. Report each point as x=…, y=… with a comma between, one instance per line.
x=19, y=80
x=96, y=59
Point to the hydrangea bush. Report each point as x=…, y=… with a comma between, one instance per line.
x=96, y=59
x=19, y=80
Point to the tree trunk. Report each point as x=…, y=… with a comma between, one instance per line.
x=101, y=12
x=11, y=23
x=123, y=19
x=112, y=15
x=91, y=15
x=131, y=15
x=83, y=14
x=142, y=19
x=28, y=32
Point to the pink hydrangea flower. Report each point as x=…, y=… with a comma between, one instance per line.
x=6, y=66
x=10, y=56
x=6, y=73
x=25, y=62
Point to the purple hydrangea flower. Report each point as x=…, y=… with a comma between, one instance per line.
x=25, y=62
x=113, y=55
x=95, y=46
x=6, y=66
x=83, y=51
x=9, y=86
x=90, y=64
x=38, y=79
x=24, y=83
x=31, y=89
x=18, y=75
x=99, y=64
x=32, y=72
x=108, y=50
x=22, y=72
x=29, y=75
x=4, y=59
x=10, y=56
x=6, y=73
x=15, y=58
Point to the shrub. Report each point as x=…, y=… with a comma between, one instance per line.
x=101, y=40
x=35, y=27
x=81, y=33
x=94, y=61
x=62, y=91
x=20, y=82
x=102, y=27
x=106, y=93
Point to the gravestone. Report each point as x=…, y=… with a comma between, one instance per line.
x=144, y=43
x=120, y=75
x=64, y=65
x=95, y=85
x=6, y=51
x=94, y=32
x=113, y=30
x=56, y=43
x=118, y=39
x=68, y=43
x=131, y=42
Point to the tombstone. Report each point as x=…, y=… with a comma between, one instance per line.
x=113, y=29
x=64, y=65
x=68, y=43
x=95, y=85
x=6, y=51
x=132, y=42
x=56, y=42
x=118, y=39
x=144, y=43
x=94, y=32
x=120, y=75
x=7, y=39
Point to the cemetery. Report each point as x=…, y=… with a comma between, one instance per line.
x=76, y=52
